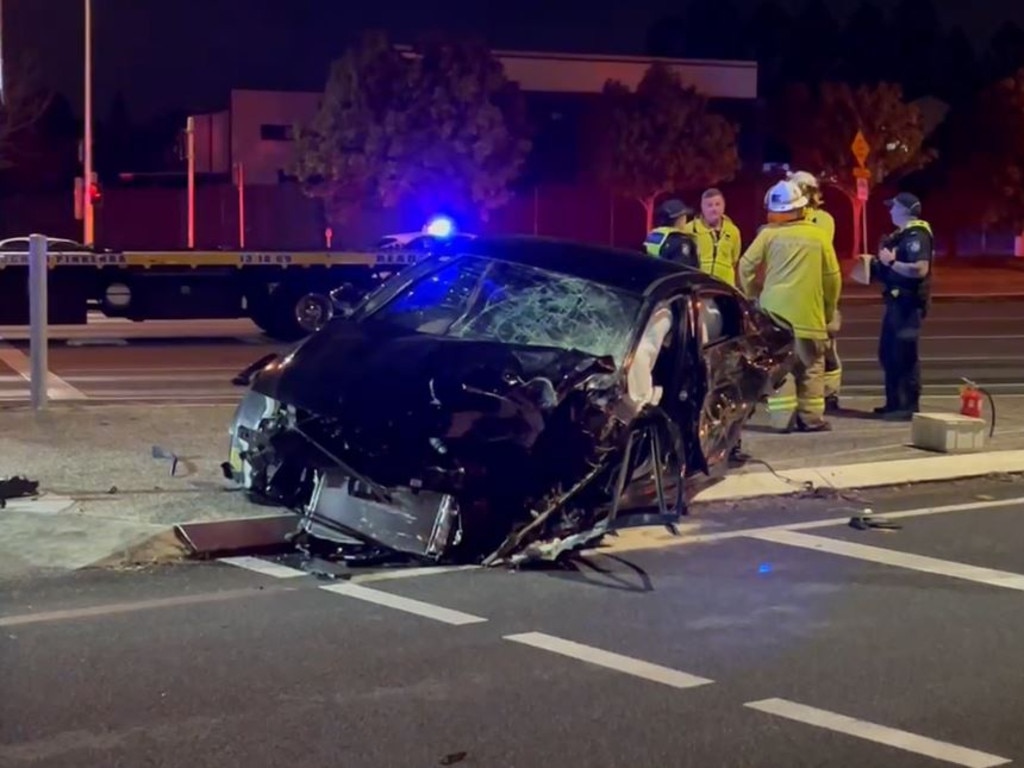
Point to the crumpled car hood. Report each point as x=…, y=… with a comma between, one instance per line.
x=375, y=372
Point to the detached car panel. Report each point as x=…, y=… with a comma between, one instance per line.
x=479, y=407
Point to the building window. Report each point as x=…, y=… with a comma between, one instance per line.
x=276, y=132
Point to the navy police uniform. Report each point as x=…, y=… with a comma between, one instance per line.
x=906, y=305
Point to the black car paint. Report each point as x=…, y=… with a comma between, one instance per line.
x=520, y=425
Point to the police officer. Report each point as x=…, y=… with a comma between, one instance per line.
x=802, y=284
x=817, y=214
x=903, y=266
x=669, y=240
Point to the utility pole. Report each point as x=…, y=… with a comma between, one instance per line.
x=3, y=83
x=89, y=235
x=190, y=148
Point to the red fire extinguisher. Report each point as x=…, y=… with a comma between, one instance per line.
x=970, y=399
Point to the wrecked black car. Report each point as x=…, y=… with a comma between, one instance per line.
x=512, y=401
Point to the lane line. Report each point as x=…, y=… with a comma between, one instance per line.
x=264, y=567
x=630, y=540
x=406, y=604
x=614, y=661
x=113, y=609
x=409, y=573
x=880, y=734
x=19, y=362
x=988, y=576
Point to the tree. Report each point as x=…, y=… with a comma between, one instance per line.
x=819, y=126
x=443, y=126
x=24, y=103
x=986, y=168
x=662, y=138
x=345, y=153
x=465, y=130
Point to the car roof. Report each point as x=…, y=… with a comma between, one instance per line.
x=626, y=270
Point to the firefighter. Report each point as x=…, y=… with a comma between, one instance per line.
x=670, y=240
x=903, y=266
x=802, y=284
x=719, y=244
x=818, y=215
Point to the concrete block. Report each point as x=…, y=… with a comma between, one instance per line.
x=948, y=432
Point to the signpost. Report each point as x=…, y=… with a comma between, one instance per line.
x=861, y=149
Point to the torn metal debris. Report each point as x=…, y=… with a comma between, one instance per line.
x=17, y=487
x=506, y=403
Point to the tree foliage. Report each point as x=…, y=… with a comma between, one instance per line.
x=24, y=103
x=986, y=167
x=819, y=126
x=442, y=125
x=662, y=138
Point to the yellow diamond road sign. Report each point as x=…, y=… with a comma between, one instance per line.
x=860, y=148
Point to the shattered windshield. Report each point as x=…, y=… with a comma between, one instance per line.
x=482, y=299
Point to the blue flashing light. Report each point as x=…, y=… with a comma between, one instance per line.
x=765, y=568
x=440, y=226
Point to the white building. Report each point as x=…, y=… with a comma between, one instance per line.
x=255, y=130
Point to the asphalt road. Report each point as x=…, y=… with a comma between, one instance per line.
x=768, y=643
x=113, y=360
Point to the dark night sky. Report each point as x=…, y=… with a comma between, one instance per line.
x=164, y=54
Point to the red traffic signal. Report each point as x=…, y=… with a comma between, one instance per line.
x=95, y=193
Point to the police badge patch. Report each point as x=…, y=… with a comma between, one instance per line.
x=914, y=246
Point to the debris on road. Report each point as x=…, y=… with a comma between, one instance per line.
x=867, y=520
x=17, y=487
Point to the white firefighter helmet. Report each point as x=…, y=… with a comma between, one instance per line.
x=785, y=196
x=804, y=180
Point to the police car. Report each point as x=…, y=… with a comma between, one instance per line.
x=409, y=247
x=394, y=252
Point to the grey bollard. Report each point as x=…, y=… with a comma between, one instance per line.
x=38, y=267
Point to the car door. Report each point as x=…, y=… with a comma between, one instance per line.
x=731, y=387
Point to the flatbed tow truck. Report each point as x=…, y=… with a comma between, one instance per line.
x=272, y=288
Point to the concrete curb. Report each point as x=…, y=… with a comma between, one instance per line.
x=873, y=474
x=189, y=541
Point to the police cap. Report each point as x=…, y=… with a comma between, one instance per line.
x=905, y=200
x=673, y=209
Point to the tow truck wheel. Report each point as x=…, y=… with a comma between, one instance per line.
x=282, y=323
x=313, y=311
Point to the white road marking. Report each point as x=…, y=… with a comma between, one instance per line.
x=633, y=539
x=880, y=734
x=906, y=560
x=407, y=604
x=409, y=573
x=112, y=609
x=265, y=567
x=19, y=362
x=609, y=660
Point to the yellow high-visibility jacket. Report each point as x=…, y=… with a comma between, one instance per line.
x=802, y=280
x=719, y=250
x=823, y=219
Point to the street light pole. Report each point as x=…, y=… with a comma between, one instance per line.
x=87, y=208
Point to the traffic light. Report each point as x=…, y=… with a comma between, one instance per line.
x=95, y=194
